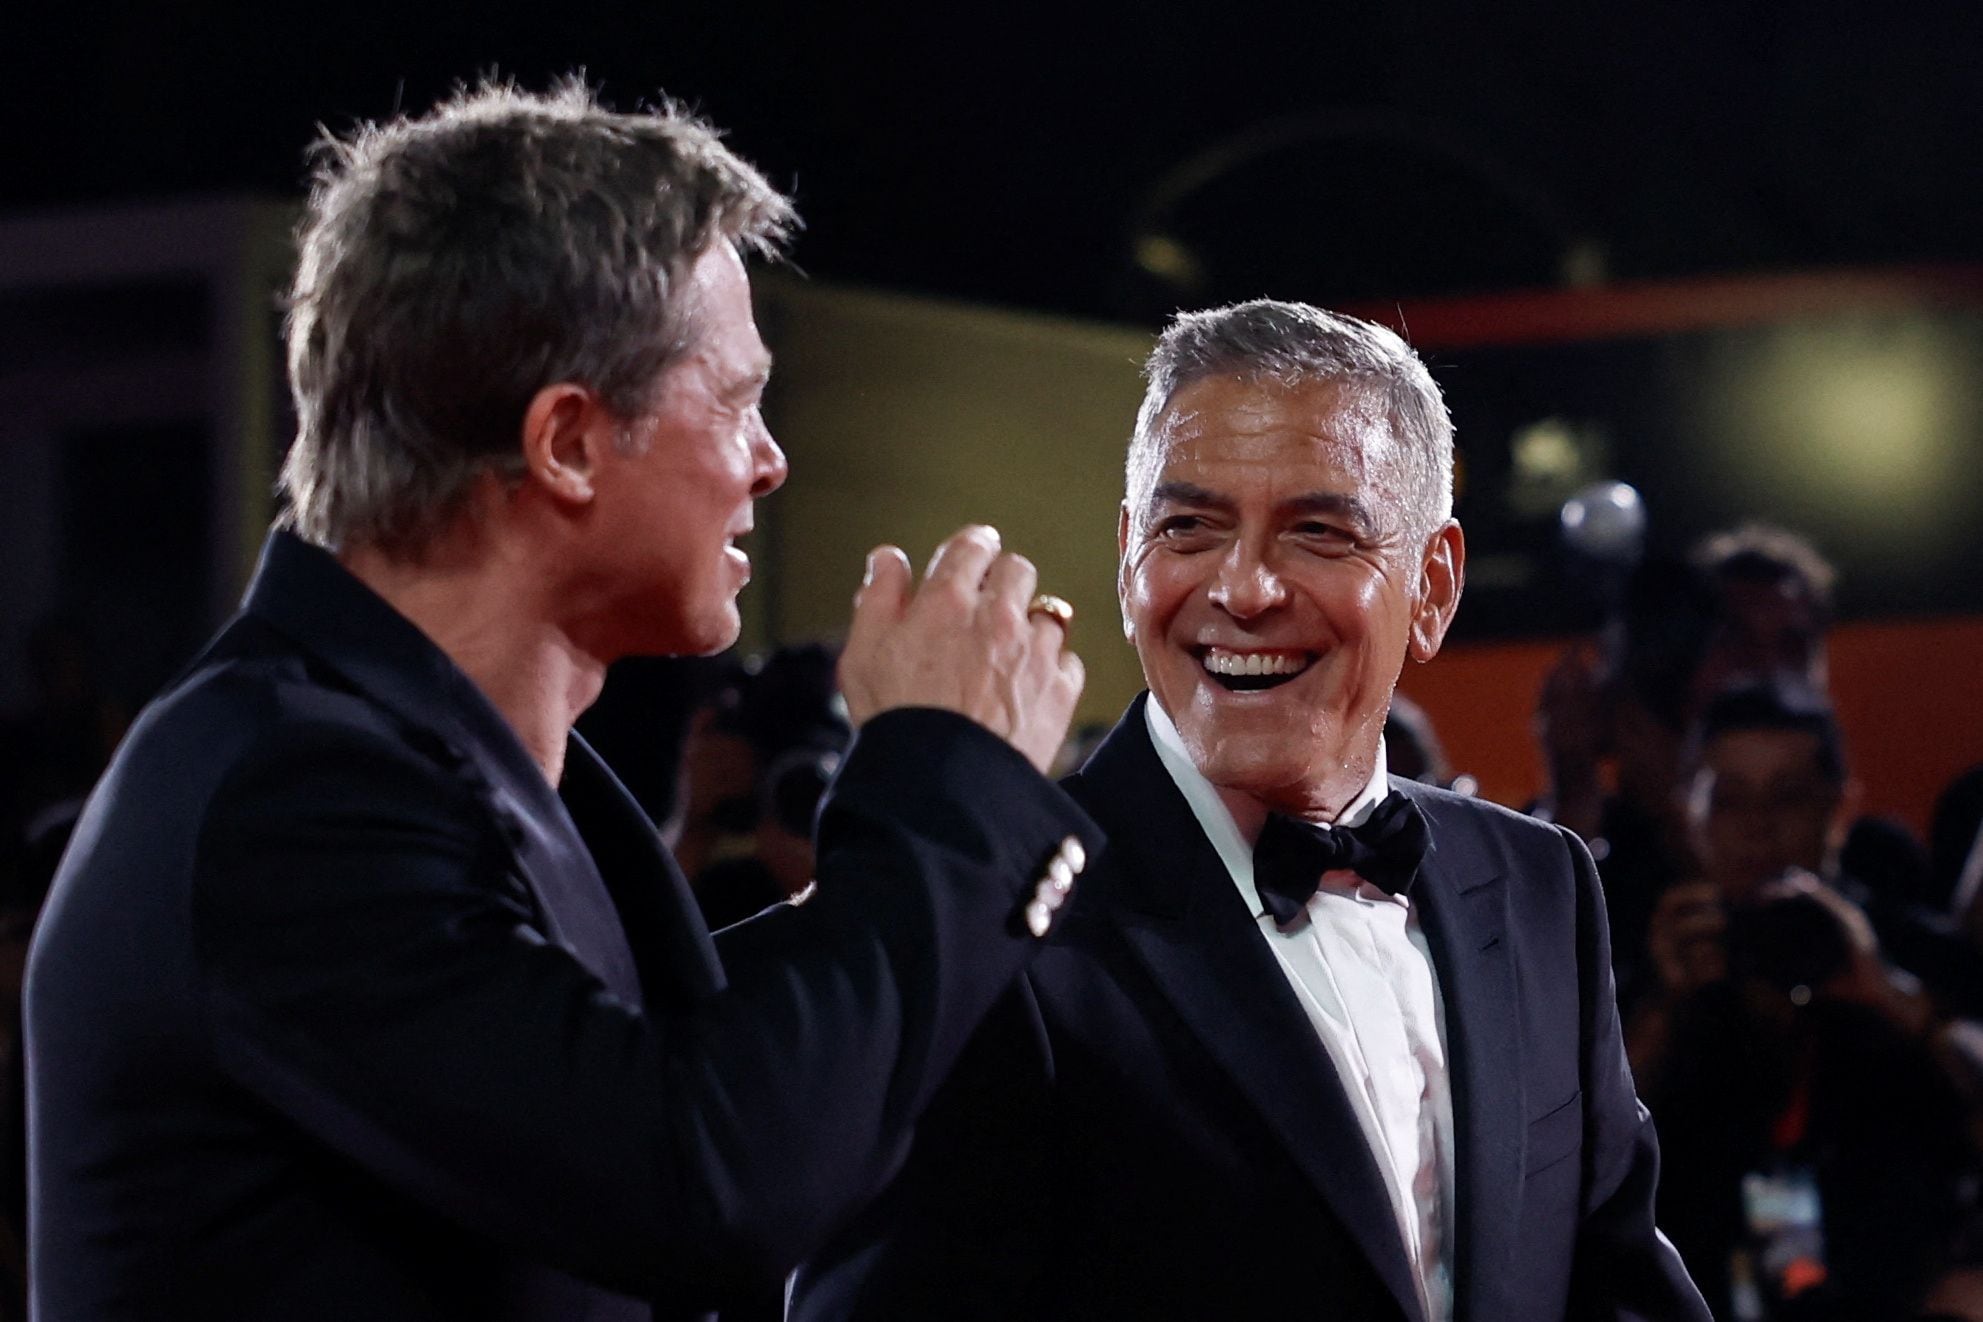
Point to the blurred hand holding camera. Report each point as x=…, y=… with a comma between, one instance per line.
x=1688, y=938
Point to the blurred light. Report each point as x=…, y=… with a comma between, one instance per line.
x=1168, y=260
x=1548, y=459
x=1873, y=420
x=1545, y=452
x=1584, y=265
x=1606, y=521
x=1861, y=420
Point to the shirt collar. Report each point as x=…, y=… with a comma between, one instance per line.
x=1230, y=835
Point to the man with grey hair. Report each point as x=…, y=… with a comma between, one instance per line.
x=1315, y=1041
x=365, y=992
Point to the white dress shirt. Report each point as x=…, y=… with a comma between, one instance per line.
x=1363, y=972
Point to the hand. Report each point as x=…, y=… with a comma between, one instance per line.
x=1569, y=712
x=1688, y=937
x=962, y=642
x=1866, y=979
x=1571, y=725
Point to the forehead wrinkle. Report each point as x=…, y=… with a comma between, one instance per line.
x=1343, y=417
x=1341, y=414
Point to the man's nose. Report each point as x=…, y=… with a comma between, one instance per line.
x=1247, y=585
x=770, y=460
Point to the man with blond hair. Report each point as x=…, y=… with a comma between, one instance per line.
x=365, y=992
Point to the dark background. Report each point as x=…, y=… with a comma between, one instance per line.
x=1008, y=155
x=1119, y=162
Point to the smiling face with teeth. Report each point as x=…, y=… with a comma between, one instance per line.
x=1274, y=577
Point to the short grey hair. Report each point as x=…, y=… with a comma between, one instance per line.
x=451, y=266
x=1294, y=344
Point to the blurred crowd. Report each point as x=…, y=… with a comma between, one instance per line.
x=1801, y=987
x=761, y=745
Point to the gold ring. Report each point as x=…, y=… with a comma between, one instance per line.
x=1054, y=608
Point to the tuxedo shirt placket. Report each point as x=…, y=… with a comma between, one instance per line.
x=1363, y=973
x=1363, y=976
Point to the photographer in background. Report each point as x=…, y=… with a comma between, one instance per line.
x=1775, y=608
x=1771, y=794
x=1623, y=706
x=1816, y=1161
x=1749, y=605
x=1814, y=1152
x=759, y=756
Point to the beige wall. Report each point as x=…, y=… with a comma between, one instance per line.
x=905, y=418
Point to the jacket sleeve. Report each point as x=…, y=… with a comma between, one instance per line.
x=371, y=972
x=967, y=1231
x=1625, y=1269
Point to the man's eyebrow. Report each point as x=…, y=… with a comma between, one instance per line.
x=1348, y=508
x=1335, y=504
x=754, y=379
x=1184, y=493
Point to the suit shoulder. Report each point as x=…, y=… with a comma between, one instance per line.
x=233, y=708
x=1523, y=846
x=1483, y=813
x=256, y=726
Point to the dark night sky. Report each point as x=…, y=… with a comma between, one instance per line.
x=1441, y=146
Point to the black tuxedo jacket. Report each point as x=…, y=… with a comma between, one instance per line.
x=1149, y=1127
x=338, y=1011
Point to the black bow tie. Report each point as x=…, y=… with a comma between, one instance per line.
x=1291, y=855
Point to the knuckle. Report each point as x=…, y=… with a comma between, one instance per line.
x=1006, y=619
x=951, y=592
x=1019, y=566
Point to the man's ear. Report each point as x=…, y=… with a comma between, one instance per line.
x=1442, y=576
x=1122, y=570
x=565, y=430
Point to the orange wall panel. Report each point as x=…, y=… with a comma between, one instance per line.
x=1909, y=696
x=1481, y=698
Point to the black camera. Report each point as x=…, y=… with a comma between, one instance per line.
x=1790, y=942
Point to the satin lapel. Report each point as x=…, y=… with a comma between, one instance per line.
x=1176, y=908
x=303, y=593
x=552, y=860
x=1463, y=910
x=664, y=928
